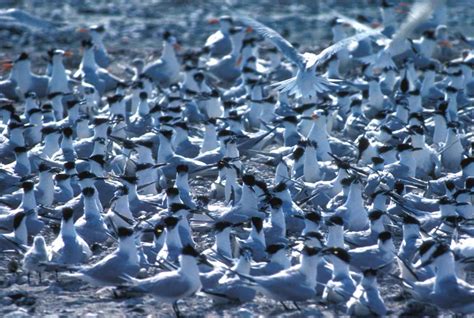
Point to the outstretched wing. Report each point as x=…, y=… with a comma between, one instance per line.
x=283, y=45
x=419, y=12
x=327, y=53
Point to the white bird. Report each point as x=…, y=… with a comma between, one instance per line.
x=115, y=268
x=448, y=291
x=366, y=300
x=18, y=239
x=68, y=247
x=171, y=286
x=297, y=283
x=306, y=83
x=35, y=257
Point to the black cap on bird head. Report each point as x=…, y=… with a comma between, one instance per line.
x=363, y=144
x=27, y=186
x=87, y=44
x=415, y=129
x=175, y=207
x=124, y=232
x=159, y=230
x=166, y=35
x=47, y=130
x=408, y=219
x=370, y=272
x=69, y=165
x=466, y=162
x=68, y=132
x=444, y=200
x=129, y=179
x=257, y=223
x=404, y=147
x=189, y=251
x=222, y=225
x=274, y=248
x=170, y=222
x=298, y=153
x=23, y=56
x=385, y=236
x=88, y=192
x=262, y=185
x=19, y=150
x=182, y=168
x=310, y=251
x=280, y=187
x=335, y=220
x=426, y=246
x=100, y=28
x=68, y=213
x=441, y=250
x=315, y=235
x=43, y=167
x=469, y=183
x=62, y=177
x=166, y=133
x=72, y=103
x=145, y=143
x=19, y=216
x=276, y=203
x=172, y=191
x=248, y=180
x=340, y=253
x=429, y=34
x=375, y=215
x=313, y=216
x=100, y=121
x=377, y=160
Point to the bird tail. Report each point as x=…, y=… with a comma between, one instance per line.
x=305, y=84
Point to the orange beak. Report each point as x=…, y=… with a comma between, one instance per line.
x=401, y=11
x=68, y=53
x=177, y=46
x=82, y=30
x=445, y=43
x=314, y=116
x=249, y=30
x=7, y=66
x=375, y=25
x=239, y=60
x=213, y=21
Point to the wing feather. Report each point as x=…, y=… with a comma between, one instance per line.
x=327, y=53
x=419, y=13
x=283, y=45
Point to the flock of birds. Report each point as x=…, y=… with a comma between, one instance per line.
x=369, y=144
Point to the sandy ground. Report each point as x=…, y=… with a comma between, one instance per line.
x=133, y=31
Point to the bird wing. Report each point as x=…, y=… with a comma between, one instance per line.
x=283, y=45
x=356, y=25
x=419, y=12
x=109, y=269
x=287, y=284
x=327, y=53
x=165, y=285
x=214, y=38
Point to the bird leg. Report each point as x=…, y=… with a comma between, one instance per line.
x=39, y=276
x=296, y=305
x=284, y=306
x=29, y=278
x=176, y=309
